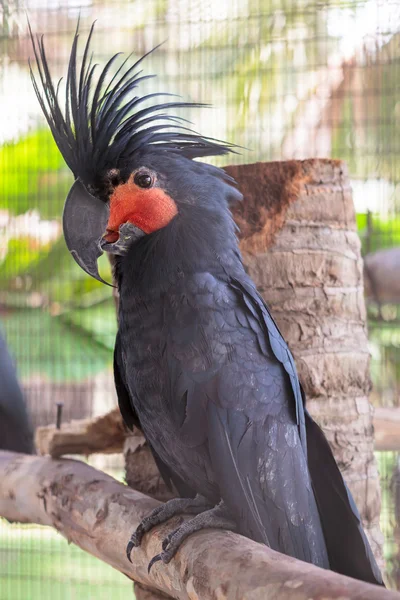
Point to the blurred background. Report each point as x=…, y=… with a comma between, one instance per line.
x=287, y=79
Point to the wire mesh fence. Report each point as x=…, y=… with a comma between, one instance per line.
x=286, y=79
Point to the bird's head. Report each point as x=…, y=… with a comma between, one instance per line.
x=133, y=166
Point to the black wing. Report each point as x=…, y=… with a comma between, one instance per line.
x=230, y=353
x=348, y=548
x=131, y=420
x=15, y=429
x=239, y=384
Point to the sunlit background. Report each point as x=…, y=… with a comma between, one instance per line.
x=286, y=79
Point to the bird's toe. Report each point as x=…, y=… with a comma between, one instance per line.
x=167, y=539
x=164, y=557
x=135, y=541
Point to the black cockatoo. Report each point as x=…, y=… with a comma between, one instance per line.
x=200, y=365
x=16, y=432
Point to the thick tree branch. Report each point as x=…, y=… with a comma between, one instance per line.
x=97, y=513
x=105, y=434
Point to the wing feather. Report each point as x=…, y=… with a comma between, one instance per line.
x=234, y=374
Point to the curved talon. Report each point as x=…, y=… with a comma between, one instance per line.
x=129, y=549
x=216, y=517
x=154, y=560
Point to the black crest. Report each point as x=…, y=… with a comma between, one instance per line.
x=103, y=124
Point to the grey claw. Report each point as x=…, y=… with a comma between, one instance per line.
x=134, y=542
x=129, y=549
x=154, y=560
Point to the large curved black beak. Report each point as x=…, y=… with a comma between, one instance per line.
x=84, y=223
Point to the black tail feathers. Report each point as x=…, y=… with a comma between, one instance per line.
x=348, y=548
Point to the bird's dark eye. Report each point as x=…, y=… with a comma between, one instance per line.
x=143, y=180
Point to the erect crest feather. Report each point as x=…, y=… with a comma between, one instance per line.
x=101, y=127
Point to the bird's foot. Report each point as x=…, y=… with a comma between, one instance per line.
x=215, y=518
x=163, y=513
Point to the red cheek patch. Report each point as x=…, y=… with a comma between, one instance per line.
x=149, y=209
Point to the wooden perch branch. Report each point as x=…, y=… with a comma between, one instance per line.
x=98, y=514
x=105, y=434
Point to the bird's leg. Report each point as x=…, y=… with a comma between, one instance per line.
x=164, y=512
x=218, y=517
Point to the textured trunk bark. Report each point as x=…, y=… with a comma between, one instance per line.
x=299, y=242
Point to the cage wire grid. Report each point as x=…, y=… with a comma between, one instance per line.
x=286, y=79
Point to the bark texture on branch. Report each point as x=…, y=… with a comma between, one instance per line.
x=105, y=434
x=97, y=513
x=300, y=245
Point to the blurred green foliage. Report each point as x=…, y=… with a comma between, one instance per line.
x=99, y=322
x=33, y=175
x=383, y=232
x=78, y=343
x=37, y=563
x=59, y=348
x=22, y=254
